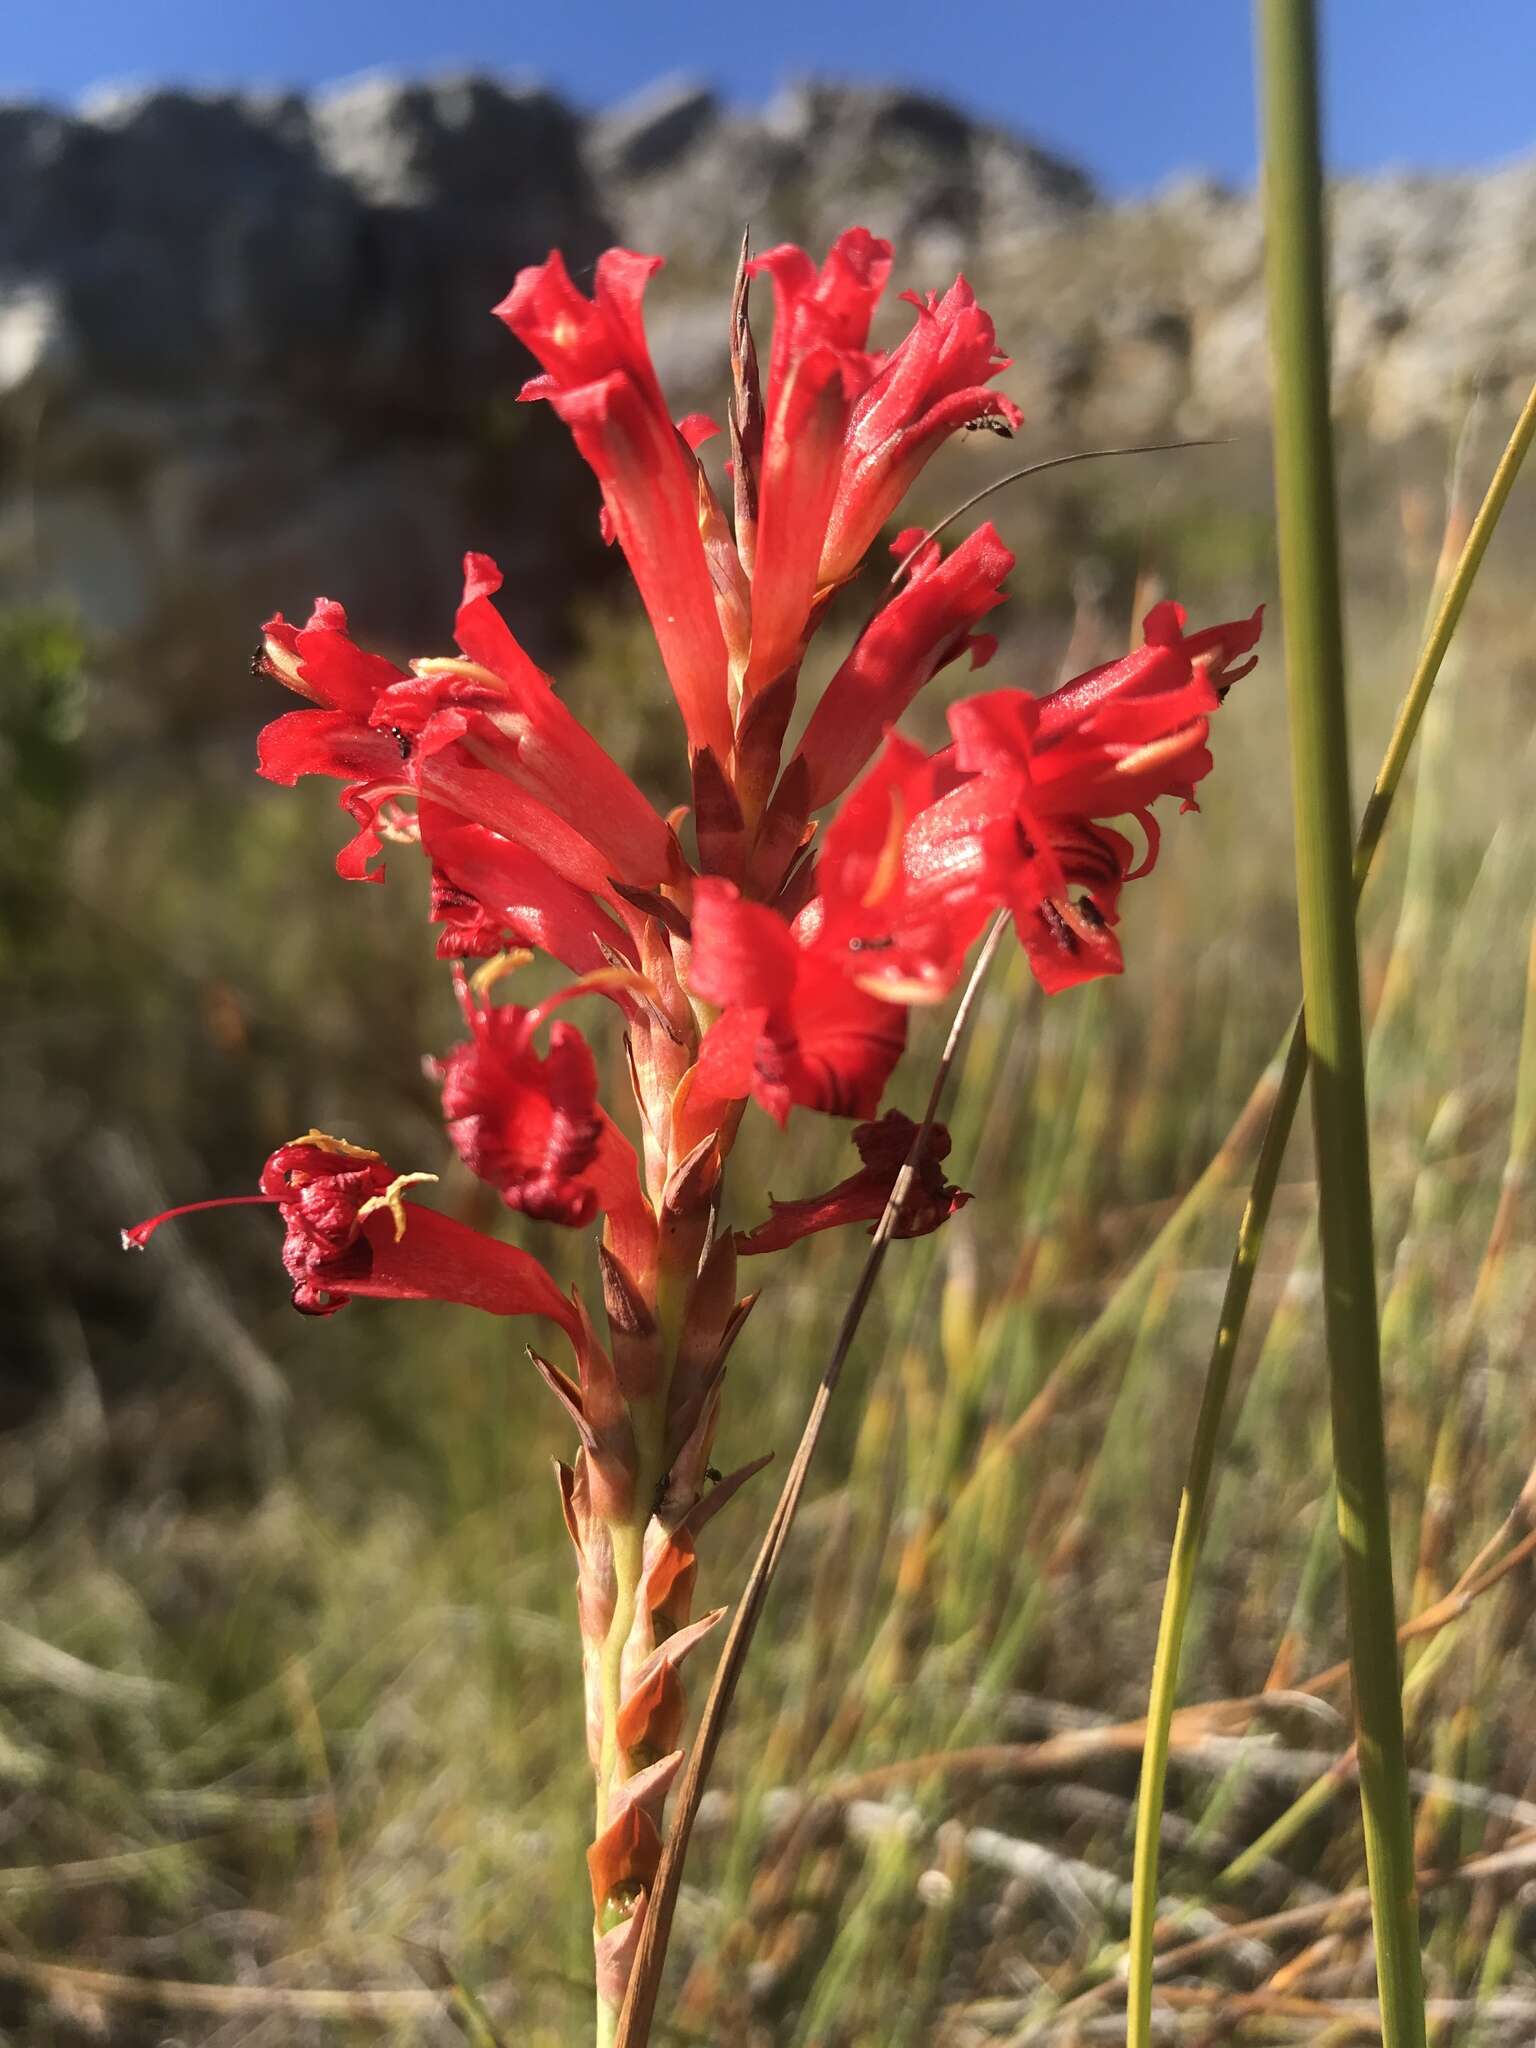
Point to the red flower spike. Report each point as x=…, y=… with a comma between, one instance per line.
x=817, y=368
x=924, y=627
x=793, y=1027
x=349, y=1231
x=930, y=385
x=600, y=380
x=883, y=1147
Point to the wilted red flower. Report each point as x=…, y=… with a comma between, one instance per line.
x=861, y=1198
x=600, y=380
x=348, y=1230
x=527, y=1122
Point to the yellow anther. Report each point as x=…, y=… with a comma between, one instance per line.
x=888, y=866
x=393, y=1199
x=324, y=1142
x=284, y=663
x=455, y=665
x=485, y=977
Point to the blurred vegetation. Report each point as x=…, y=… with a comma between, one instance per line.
x=289, y=1695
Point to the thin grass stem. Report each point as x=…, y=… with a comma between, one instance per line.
x=1306, y=514
x=1194, y=1504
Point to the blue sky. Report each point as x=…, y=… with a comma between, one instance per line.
x=1136, y=90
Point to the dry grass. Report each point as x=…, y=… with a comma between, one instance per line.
x=289, y=1706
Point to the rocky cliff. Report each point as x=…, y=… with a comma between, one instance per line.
x=245, y=352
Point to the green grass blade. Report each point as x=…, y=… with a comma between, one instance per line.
x=1309, y=584
x=1194, y=1505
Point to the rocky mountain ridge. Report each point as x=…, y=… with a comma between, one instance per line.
x=245, y=351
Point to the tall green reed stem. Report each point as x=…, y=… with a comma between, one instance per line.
x=1452, y=591
x=1309, y=587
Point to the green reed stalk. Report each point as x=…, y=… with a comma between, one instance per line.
x=1450, y=601
x=1315, y=687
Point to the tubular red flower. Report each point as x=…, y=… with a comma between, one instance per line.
x=924, y=627
x=817, y=368
x=861, y=1198
x=931, y=384
x=1110, y=742
x=507, y=714
x=896, y=927
x=491, y=893
x=349, y=1231
x=600, y=380
x=794, y=1027
x=1036, y=777
x=417, y=745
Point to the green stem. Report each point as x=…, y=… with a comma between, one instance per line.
x=1315, y=685
x=649, y=1418
x=1194, y=1504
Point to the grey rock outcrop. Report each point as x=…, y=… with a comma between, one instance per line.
x=246, y=351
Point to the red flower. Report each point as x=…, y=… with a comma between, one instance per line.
x=924, y=627
x=884, y=1148
x=794, y=1028
x=1109, y=742
x=896, y=924
x=931, y=384
x=420, y=743
x=600, y=380
x=529, y=1123
x=1017, y=818
x=507, y=715
x=349, y=1231
x=492, y=894
x=817, y=368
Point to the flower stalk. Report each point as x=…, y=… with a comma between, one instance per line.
x=762, y=936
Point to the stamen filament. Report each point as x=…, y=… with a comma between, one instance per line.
x=138, y=1235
